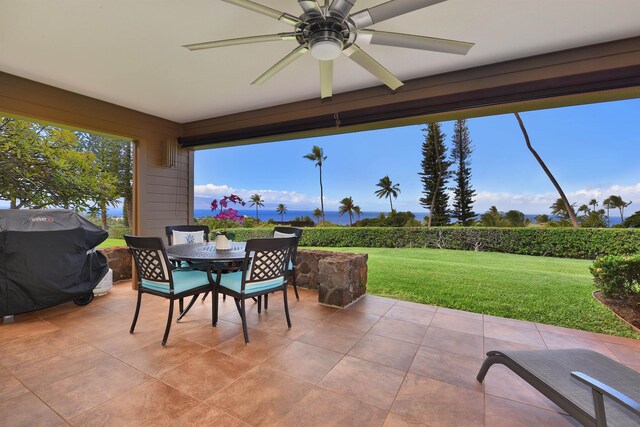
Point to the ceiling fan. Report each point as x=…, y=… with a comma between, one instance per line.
x=328, y=31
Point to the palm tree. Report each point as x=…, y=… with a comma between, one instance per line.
x=515, y=218
x=347, y=206
x=584, y=209
x=559, y=209
x=387, y=189
x=568, y=208
x=492, y=218
x=608, y=205
x=256, y=200
x=281, y=209
x=357, y=211
x=317, y=214
x=617, y=202
x=317, y=155
x=594, y=203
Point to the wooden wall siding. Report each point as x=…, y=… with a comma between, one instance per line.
x=163, y=196
x=167, y=193
x=593, y=73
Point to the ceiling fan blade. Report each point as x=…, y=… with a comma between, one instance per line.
x=241, y=40
x=265, y=10
x=341, y=8
x=326, y=79
x=310, y=7
x=411, y=41
x=295, y=54
x=388, y=10
x=361, y=58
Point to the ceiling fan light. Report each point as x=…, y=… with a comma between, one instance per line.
x=326, y=50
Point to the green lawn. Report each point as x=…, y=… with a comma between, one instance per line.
x=555, y=291
x=112, y=242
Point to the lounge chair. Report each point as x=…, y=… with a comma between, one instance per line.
x=590, y=387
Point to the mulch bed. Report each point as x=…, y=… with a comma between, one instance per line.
x=626, y=308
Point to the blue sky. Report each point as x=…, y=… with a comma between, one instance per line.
x=593, y=150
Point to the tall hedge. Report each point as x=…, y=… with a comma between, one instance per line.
x=585, y=243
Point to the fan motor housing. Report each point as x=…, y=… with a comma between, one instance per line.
x=326, y=35
x=325, y=29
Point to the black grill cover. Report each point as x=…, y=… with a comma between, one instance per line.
x=46, y=258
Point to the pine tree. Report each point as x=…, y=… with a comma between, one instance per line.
x=463, y=193
x=434, y=175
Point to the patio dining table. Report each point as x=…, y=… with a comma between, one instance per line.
x=206, y=254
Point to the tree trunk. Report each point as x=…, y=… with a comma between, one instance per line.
x=391, y=202
x=621, y=209
x=567, y=205
x=321, y=195
x=13, y=205
x=127, y=210
x=103, y=214
x=257, y=213
x=435, y=193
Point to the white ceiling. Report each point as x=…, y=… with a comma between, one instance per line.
x=129, y=52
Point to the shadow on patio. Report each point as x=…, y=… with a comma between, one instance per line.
x=378, y=362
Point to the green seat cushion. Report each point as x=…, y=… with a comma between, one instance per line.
x=183, y=280
x=233, y=281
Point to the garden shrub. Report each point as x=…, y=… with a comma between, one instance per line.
x=617, y=276
x=218, y=223
x=118, y=231
x=394, y=219
x=582, y=243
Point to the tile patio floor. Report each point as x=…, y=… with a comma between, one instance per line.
x=379, y=362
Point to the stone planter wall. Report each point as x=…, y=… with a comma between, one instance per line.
x=339, y=277
x=119, y=259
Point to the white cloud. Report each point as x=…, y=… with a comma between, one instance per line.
x=540, y=202
x=271, y=197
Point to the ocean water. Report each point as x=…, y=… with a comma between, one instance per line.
x=332, y=216
x=266, y=214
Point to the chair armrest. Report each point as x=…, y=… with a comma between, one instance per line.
x=610, y=392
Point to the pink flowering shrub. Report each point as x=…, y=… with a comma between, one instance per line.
x=225, y=212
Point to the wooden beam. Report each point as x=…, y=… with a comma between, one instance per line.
x=612, y=68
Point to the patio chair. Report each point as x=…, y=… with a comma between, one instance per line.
x=282, y=232
x=262, y=272
x=157, y=276
x=285, y=232
x=186, y=229
x=590, y=387
x=179, y=234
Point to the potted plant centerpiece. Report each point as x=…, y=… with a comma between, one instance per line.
x=224, y=239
